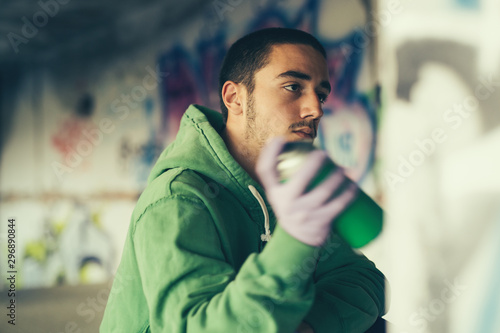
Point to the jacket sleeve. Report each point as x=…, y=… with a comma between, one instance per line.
x=190, y=287
x=350, y=292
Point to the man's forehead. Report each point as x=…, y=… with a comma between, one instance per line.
x=296, y=57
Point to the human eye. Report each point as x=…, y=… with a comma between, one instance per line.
x=292, y=87
x=322, y=98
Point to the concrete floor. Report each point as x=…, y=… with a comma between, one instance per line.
x=69, y=309
x=66, y=309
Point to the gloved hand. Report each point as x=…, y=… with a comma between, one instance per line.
x=305, y=216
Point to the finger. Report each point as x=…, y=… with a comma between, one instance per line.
x=266, y=163
x=338, y=204
x=321, y=193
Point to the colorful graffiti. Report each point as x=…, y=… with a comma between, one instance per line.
x=73, y=248
x=348, y=128
x=74, y=136
x=71, y=136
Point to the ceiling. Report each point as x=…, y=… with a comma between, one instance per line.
x=83, y=28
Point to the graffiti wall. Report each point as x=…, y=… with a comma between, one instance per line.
x=82, y=144
x=84, y=136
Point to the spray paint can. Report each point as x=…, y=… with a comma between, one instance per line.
x=361, y=221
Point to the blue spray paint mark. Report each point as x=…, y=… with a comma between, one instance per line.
x=489, y=321
x=468, y=4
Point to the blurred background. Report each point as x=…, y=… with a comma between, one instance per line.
x=92, y=91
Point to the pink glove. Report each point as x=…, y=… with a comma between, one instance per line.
x=305, y=216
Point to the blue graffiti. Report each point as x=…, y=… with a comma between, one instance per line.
x=468, y=4
x=489, y=321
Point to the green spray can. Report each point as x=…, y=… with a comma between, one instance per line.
x=361, y=221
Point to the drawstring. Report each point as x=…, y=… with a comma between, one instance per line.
x=267, y=236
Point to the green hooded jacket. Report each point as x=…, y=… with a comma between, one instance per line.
x=196, y=260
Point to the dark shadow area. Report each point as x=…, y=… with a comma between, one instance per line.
x=378, y=327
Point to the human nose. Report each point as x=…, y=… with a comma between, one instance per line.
x=312, y=107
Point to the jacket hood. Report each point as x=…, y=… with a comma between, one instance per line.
x=200, y=133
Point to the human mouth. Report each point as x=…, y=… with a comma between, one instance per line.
x=306, y=133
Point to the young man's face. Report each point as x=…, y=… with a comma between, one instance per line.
x=288, y=95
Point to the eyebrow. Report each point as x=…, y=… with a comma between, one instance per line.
x=303, y=76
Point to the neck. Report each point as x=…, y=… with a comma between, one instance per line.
x=241, y=150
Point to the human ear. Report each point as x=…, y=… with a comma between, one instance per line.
x=232, y=97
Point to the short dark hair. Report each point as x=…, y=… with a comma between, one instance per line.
x=251, y=52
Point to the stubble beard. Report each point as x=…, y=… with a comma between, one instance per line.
x=256, y=134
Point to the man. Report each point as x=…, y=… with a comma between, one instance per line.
x=206, y=252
